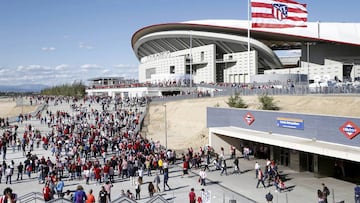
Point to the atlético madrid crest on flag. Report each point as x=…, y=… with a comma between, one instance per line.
x=280, y=11
x=278, y=14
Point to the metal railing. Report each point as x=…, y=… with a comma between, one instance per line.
x=31, y=197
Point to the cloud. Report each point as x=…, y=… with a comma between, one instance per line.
x=105, y=71
x=63, y=73
x=48, y=48
x=125, y=66
x=288, y=53
x=32, y=68
x=61, y=67
x=126, y=70
x=83, y=45
x=4, y=70
x=89, y=66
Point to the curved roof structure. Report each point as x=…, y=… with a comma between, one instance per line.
x=230, y=36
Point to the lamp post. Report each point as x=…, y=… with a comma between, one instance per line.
x=308, y=62
x=165, y=122
x=22, y=104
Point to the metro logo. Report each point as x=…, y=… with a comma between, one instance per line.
x=350, y=129
x=249, y=118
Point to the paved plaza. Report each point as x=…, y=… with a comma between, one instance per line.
x=301, y=187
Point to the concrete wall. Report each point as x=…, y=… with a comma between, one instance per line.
x=201, y=55
x=218, y=141
x=321, y=128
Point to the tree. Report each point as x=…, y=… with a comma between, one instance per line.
x=236, y=101
x=77, y=89
x=267, y=103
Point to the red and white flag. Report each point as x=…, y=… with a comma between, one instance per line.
x=278, y=14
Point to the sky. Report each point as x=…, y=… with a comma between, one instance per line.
x=55, y=42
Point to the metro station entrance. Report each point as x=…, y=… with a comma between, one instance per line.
x=306, y=162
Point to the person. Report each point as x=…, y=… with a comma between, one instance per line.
x=59, y=187
x=236, y=165
x=279, y=184
x=108, y=185
x=192, y=196
x=269, y=197
x=90, y=197
x=200, y=197
x=320, y=195
x=216, y=164
x=8, y=173
x=157, y=181
x=166, y=179
x=141, y=174
x=1, y=172
x=326, y=192
x=129, y=194
x=47, y=192
x=122, y=193
x=260, y=178
x=232, y=152
x=151, y=189
x=203, y=197
x=20, y=168
x=223, y=167
x=185, y=168
x=160, y=166
x=246, y=152
x=79, y=195
x=103, y=196
x=202, y=177
x=357, y=193
x=207, y=162
x=69, y=195
x=256, y=167
x=137, y=190
x=9, y=196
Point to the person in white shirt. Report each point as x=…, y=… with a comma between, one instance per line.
x=257, y=167
x=202, y=177
x=8, y=174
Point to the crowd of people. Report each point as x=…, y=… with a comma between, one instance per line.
x=96, y=145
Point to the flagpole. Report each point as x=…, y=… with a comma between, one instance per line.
x=190, y=59
x=248, y=43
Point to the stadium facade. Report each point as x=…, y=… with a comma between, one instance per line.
x=215, y=51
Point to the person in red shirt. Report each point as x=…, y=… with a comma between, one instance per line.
x=185, y=168
x=97, y=173
x=47, y=192
x=106, y=170
x=192, y=196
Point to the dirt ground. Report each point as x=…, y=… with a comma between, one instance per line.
x=8, y=108
x=186, y=119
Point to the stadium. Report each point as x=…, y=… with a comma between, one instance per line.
x=215, y=51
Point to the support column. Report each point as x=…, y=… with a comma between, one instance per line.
x=295, y=160
x=316, y=165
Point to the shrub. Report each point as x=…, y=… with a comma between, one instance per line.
x=236, y=101
x=267, y=103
